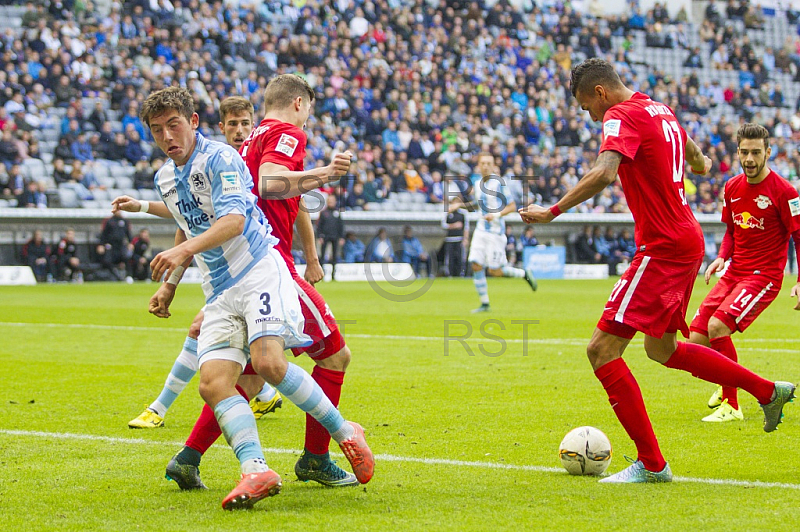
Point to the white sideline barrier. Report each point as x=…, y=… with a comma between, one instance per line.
x=359, y=271
x=585, y=271
x=16, y=276
x=391, y=272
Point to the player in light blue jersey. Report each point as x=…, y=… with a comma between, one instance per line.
x=492, y=199
x=250, y=299
x=236, y=123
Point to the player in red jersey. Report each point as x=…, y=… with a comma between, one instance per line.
x=274, y=153
x=761, y=210
x=645, y=144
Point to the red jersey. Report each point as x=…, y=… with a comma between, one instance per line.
x=760, y=220
x=280, y=143
x=652, y=145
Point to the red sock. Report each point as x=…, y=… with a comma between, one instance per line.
x=724, y=344
x=626, y=400
x=705, y=363
x=206, y=429
x=317, y=437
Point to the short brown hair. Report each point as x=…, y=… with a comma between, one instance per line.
x=171, y=98
x=234, y=105
x=752, y=131
x=593, y=72
x=486, y=154
x=282, y=90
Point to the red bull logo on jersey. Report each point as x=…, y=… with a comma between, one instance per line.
x=746, y=220
x=763, y=201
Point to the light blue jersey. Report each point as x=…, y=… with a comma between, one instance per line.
x=491, y=197
x=213, y=183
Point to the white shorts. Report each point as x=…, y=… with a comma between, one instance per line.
x=263, y=303
x=488, y=250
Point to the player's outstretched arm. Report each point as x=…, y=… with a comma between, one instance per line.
x=699, y=163
x=276, y=181
x=602, y=174
x=129, y=204
x=305, y=229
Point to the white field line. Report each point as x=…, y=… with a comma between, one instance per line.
x=453, y=340
x=390, y=458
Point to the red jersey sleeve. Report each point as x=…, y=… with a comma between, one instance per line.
x=619, y=134
x=790, y=210
x=285, y=146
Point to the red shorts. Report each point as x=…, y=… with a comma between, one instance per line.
x=652, y=297
x=320, y=324
x=736, y=302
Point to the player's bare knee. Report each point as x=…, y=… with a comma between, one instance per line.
x=717, y=329
x=210, y=391
x=336, y=362
x=597, y=354
x=476, y=267
x=696, y=337
x=271, y=368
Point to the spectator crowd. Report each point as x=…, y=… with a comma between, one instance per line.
x=414, y=88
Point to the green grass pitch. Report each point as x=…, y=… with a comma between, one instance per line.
x=465, y=440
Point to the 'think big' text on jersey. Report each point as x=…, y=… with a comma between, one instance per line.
x=214, y=183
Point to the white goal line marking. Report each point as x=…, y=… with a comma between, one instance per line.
x=571, y=342
x=391, y=458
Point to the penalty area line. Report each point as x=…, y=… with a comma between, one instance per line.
x=389, y=458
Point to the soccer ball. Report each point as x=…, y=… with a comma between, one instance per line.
x=585, y=451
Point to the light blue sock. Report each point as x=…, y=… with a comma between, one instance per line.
x=239, y=427
x=298, y=387
x=181, y=373
x=479, y=278
x=266, y=394
x=510, y=271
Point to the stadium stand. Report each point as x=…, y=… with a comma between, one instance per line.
x=454, y=77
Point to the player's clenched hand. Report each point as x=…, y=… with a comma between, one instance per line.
x=489, y=217
x=706, y=166
x=796, y=293
x=166, y=262
x=314, y=273
x=714, y=267
x=125, y=203
x=340, y=164
x=536, y=214
x=159, y=303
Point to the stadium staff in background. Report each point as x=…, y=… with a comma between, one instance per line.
x=249, y=299
x=645, y=144
x=457, y=229
x=761, y=211
x=488, y=248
